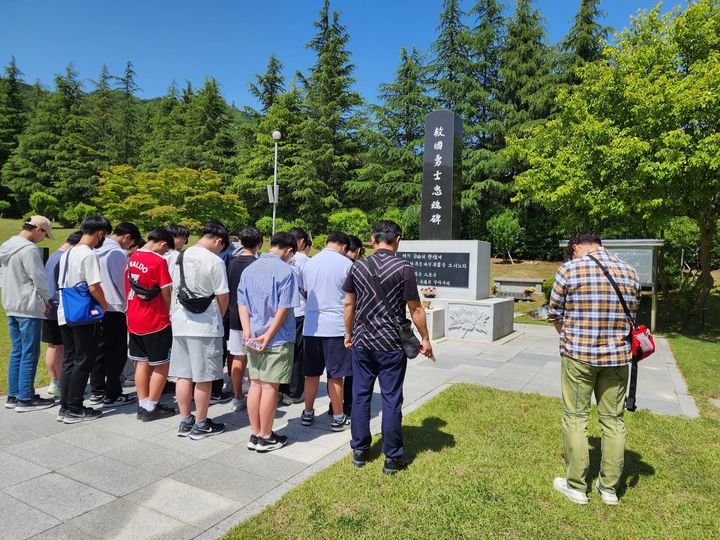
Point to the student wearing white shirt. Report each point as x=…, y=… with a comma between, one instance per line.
x=80, y=341
x=324, y=328
x=293, y=391
x=197, y=348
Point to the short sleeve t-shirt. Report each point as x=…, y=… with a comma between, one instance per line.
x=82, y=266
x=205, y=274
x=266, y=286
x=373, y=327
x=324, y=276
x=237, y=266
x=148, y=269
x=297, y=263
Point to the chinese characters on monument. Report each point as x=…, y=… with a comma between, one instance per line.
x=440, y=212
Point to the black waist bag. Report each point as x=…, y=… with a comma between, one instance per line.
x=143, y=293
x=188, y=299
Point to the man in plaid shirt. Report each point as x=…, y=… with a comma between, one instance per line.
x=595, y=349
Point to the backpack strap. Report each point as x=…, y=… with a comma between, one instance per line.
x=632, y=386
x=380, y=290
x=65, y=256
x=183, y=284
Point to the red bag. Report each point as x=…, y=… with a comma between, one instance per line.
x=643, y=344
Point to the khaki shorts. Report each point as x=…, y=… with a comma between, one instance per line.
x=196, y=358
x=273, y=365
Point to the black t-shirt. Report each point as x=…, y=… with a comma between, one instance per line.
x=237, y=266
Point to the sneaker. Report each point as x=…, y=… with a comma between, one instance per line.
x=62, y=411
x=307, y=418
x=360, y=458
x=82, y=415
x=253, y=442
x=608, y=497
x=340, y=425
x=222, y=397
x=268, y=444
x=34, y=404
x=97, y=399
x=289, y=400
x=210, y=428
x=239, y=404
x=122, y=399
x=160, y=411
x=185, y=428
x=54, y=390
x=393, y=465
x=11, y=402
x=574, y=495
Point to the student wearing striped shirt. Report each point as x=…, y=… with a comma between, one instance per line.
x=595, y=349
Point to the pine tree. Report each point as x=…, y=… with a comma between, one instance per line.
x=584, y=41
x=391, y=172
x=268, y=86
x=31, y=165
x=162, y=148
x=524, y=68
x=257, y=158
x=75, y=159
x=208, y=139
x=127, y=141
x=13, y=110
x=329, y=151
x=101, y=116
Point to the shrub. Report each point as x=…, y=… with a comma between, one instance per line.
x=44, y=205
x=352, y=221
x=264, y=225
x=4, y=206
x=74, y=215
x=505, y=231
x=319, y=241
x=547, y=286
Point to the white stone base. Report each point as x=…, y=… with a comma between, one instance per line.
x=477, y=320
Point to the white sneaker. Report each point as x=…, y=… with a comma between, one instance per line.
x=607, y=497
x=54, y=390
x=574, y=495
x=239, y=404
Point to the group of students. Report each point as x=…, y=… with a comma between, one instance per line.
x=182, y=315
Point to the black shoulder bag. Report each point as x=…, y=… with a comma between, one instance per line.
x=188, y=299
x=630, y=404
x=410, y=342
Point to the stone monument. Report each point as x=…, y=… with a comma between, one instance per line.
x=458, y=269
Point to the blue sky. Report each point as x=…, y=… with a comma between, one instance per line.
x=231, y=40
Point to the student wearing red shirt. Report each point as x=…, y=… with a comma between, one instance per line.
x=149, y=287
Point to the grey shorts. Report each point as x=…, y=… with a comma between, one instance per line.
x=197, y=358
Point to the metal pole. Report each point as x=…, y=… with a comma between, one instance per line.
x=653, y=309
x=275, y=190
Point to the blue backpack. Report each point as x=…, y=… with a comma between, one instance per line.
x=79, y=306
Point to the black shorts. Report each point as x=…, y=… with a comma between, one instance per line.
x=51, y=332
x=151, y=348
x=329, y=353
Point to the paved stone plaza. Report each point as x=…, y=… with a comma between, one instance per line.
x=119, y=478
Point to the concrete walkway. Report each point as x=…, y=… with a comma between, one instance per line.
x=119, y=478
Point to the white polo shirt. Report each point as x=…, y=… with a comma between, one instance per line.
x=323, y=277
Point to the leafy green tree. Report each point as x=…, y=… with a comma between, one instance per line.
x=637, y=140
x=505, y=231
x=44, y=205
x=328, y=152
x=4, y=207
x=13, y=110
x=127, y=141
x=585, y=40
x=73, y=216
x=269, y=85
x=391, y=166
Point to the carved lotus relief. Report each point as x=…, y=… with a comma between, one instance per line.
x=468, y=321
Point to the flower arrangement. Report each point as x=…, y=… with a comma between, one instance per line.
x=428, y=292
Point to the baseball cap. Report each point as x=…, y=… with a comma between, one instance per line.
x=44, y=224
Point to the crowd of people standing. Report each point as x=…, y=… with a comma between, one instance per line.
x=185, y=317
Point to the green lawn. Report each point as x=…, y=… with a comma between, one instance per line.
x=483, y=465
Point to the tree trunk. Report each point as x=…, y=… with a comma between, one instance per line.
x=707, y=233
x=662, y=275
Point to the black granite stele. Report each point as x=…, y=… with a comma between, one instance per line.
x=442, y=177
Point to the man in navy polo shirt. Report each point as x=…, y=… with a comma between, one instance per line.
x=377, y=352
